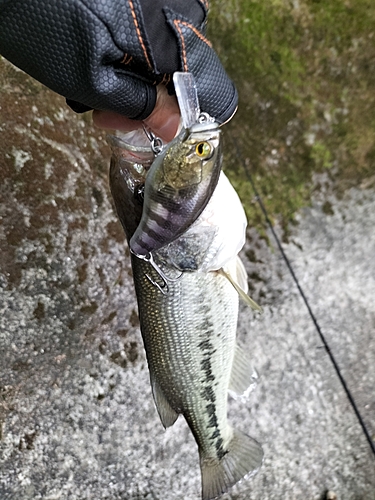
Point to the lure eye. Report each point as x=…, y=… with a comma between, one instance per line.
x=204, y=150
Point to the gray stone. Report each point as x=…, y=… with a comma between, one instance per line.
x=76, y=411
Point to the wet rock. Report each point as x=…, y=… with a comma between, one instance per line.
x=77, y=419
x=65, y=287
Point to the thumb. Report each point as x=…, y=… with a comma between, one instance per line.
x=165, y=118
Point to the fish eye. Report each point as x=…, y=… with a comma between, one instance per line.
x=204, y=150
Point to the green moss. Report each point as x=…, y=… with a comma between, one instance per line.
x=305, y=76
x=321, y=155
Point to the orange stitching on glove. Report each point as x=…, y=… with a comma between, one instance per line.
x=184, y=59
x=165, y=79
x=139, y=34
x=193, y=28
x=176, y=22
x=126, y=59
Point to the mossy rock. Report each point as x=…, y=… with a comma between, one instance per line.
x=305, y=74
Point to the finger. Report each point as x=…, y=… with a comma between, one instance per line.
x=114, y=121
x=165, y=118
x=163, y=121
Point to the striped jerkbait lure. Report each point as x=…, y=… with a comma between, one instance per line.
x=178, y=187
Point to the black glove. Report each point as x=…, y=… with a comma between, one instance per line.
x=110, y=54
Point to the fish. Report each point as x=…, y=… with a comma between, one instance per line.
x=179, y=185
x=188, y=315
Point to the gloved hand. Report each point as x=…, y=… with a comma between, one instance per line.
x=110, y=54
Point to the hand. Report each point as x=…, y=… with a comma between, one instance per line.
x=110, y=54
x=163, y=121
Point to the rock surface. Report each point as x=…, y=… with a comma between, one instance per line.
x=76, y=411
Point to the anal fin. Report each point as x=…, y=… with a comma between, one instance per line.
x=167, y=414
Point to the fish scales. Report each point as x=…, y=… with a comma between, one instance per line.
x=189, y=333
x=190, y=349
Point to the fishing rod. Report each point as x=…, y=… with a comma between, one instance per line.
x=304, y=298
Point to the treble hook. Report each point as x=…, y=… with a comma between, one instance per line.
x=156, y=142
x=164, y=289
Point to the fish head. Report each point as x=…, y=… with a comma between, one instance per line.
x=178, y=187
x=130, y=162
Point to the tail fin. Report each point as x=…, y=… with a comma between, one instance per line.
x=243, y=459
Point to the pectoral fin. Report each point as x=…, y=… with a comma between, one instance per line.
x=167, y=414
x=236, y=274
x=243, y=376
x=241, y=274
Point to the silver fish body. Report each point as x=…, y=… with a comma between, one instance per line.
x=190, y=340
x=189, y=334
x=178, y=187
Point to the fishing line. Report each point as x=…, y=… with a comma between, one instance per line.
x=295, y=279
